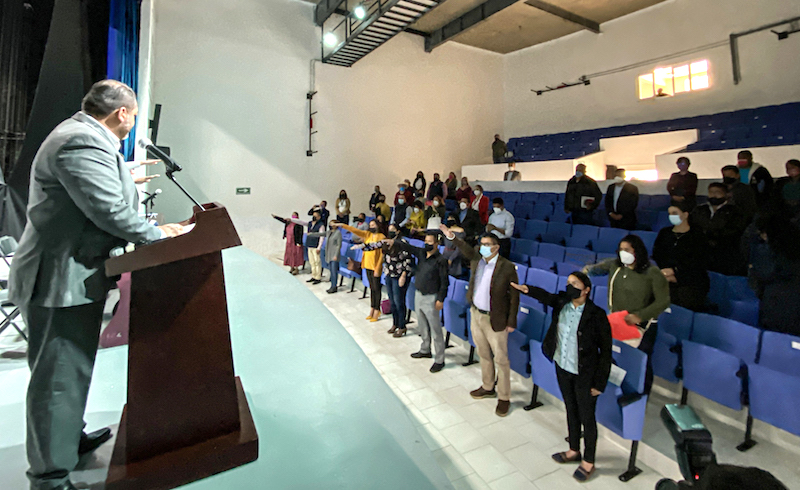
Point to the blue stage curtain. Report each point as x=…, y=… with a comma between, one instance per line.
x=123, y=52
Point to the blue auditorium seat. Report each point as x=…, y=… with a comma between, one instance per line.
x=526, y=247
x=529, y=196
x=543, y=373
x=523, y=210
x=648, y=237
x=564, y=269
x=522, y=271
x=713, y=357
x=583, y=236
x=659, y=202
x=529, y=327
x=674, y=326
x=542, y=211
x=552, y=252
x=518, y=258
x=647, y=219
x=542, y=279
x=774, y=382
x=559, y=215
x=600, y=297
x=579, y=256
x=601, y=256
x=534, y=229
x=540, y=263
x=608, y=240
x=519, y=227
x=557, y=233
x=455, y=310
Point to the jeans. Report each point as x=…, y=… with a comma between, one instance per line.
x=333, y=267
x=397, y=298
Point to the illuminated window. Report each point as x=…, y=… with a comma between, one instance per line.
x=667, y=81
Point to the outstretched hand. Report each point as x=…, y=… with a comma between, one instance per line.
x=520, y=287
x=446, y=231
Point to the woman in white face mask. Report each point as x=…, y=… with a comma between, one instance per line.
x=681, y=253
x=637, y=287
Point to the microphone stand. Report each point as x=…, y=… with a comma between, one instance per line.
x=148, y=205
x=170, y=171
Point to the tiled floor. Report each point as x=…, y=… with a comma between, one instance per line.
x=475, y=448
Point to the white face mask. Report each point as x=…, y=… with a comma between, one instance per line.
x=618, y=180
x=476, y=192
x=401, y=201
x=497, y=210
x=626, y=258
x=675, y=219
x=436, y=204
x=463, y=206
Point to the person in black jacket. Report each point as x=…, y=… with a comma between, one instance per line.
x=756, y=175
x=787, y=189
x=723, y=225
x=376, y=196
x=681, y=253
x=682, y=185
x=579, y=341
x=470, y=220
x=582, y=197
x=622, y=199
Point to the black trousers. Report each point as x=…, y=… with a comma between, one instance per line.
x=374, y=290
x=505, y=247
x=580, y=405
x=646, y=346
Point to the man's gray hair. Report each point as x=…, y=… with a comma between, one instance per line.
x=106, y=96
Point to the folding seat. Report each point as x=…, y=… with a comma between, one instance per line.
x=557, y=233
x=455, y=311
x=745, y=311
x=542, y=211
x=583, y=236
x=523, y=210
x=542, y=279
x=660, y=202
x=529, y=326
x=561, y=285
x=644, y=201
x=543, y=374
x=718, y=352
x=519, y=227
x=534, y=229
x=674, y=326
x=608, y=240
x=540, y=263
x=416, y=242
x=526, y=247
x=579, y=256
x=564, y=269
x=529, y=196
x=552, y=252
x=344, y=254
x=601, y=256
x=646, y=219
x=410, y=298
x=621, y=409
x=739, y=288
x=522, y=272
x=518, y=258
x=648, y=237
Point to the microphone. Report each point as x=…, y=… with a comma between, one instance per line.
x=151, y=197
x=148, y=145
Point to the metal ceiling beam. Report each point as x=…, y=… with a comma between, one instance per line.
x=464, y=22
x=565, y=14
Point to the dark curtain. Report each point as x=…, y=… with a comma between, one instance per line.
x=123, y=52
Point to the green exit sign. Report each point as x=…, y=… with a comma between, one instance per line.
x=242, y=191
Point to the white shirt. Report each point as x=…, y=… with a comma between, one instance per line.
x=617, y=192
x=481, y=297
x=504, y=220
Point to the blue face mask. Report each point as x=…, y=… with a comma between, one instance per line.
x=486, y=251
x=579, y=174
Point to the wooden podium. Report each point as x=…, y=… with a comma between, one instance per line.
x=186, y=417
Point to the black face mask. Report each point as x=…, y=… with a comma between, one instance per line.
x=429, y=247
x=716, y=201
x=373, y=230
x=451, y=223
x=392, y=234
x=572, y=292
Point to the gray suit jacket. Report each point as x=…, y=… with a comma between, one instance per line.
x=82, y=203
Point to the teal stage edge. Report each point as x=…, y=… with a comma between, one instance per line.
x=325, y=417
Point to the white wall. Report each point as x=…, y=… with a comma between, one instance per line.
x=708, y=164
x=233, y=78
x=769, y=67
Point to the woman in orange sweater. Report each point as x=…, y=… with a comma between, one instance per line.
x=372, y=262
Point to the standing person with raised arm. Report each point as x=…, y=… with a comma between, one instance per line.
x=372, y=262
x=579, y=342
x=493, y=315
x=82, y=204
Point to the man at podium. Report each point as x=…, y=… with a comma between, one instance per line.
x=82, y=203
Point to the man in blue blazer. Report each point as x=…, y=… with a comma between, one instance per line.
x=82, y=203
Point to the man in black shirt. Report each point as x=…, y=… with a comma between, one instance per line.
x=582, y=197
x=723, y=225
x=741, y=195
x=431, y=281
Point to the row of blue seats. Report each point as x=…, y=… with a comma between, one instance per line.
x=588, y=237
x=764, y=126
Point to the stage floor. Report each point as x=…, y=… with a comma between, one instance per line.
x=325, y=416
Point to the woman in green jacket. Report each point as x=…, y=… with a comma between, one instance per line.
x=638, y=287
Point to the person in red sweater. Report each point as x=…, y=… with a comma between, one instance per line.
x=481, y=204
x=404, y=190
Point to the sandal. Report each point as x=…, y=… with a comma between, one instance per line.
x=400, y=332
x=562, y=458
x=582, y=475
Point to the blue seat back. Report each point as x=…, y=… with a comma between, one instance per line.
x=562, y=283
x=527, y=247
x=518, y=258
x=534, y=229
x=530, y=321
x=542, y=211
x=564, y=269
x=634, y=362
x=552, y=252
x=676, y=322
x=460, y=288
x=608, y=240
x=780, y=352
x=600, y=296
x=583, y=235
x=542, y=279
x=540, y=263
x=648, y=237
x=726, y=335
x=557, y=232
x=579, y=256
x=522, y=272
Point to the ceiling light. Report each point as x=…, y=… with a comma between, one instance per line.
x=329, y=39
x=360, y=12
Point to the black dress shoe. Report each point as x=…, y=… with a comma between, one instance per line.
x=93, y=440
x=315, y=282
x=331, y=291
x=311, y=280
x=67, y=485
x=422, y=355
x=437, y=366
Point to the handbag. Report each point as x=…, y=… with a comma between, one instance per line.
x=354, y=266
x=386, y=307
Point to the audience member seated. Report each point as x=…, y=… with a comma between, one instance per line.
x=499, y=149
x=501, y=225
x=383, y=209
x=512, y=174
x=452, y=185
x=420, y=185
x=582, y=197
x=775, y=271
x=373, y=200
x=757, y=176
x=293, y=234
x=723, y=225
x=343, y=208
x=465, y=191
x=637, y=287
x=470, y=221
x=739, y=194
x=436, y=209
x=437, y=189
x=787, y=189
x=322, y=207
x=622, y=199
x=417, y=222
x=681, y=252
x=403, y=192
x=481, y=204
x=682, y=185
x=453, y=255
x=372, y=263
x=360, y=222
